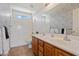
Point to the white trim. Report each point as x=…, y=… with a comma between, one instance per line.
x=16, y=45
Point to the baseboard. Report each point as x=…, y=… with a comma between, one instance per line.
x=16, y=45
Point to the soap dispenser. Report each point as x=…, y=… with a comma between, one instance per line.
x=62, y=31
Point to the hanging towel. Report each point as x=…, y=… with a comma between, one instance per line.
x=6, y=32
x=0, y=42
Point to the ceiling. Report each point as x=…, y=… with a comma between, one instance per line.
x=52, y=8
x=64, y=7
x=5, y=8
x=29, y=7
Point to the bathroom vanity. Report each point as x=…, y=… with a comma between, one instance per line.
x=44, y=46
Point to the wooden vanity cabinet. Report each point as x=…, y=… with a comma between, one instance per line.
x=35, y=45
x=42, y=48
x=48, y=49
x=60, y=52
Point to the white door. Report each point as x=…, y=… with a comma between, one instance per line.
x=21, y=28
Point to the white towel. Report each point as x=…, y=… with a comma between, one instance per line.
x=5, y=41
x=0, y=42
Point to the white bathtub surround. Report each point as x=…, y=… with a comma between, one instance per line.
x=71, y=46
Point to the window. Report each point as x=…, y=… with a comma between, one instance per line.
x=24, y=17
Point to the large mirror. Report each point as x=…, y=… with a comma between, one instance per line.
x=64, y=18
x=61, y=19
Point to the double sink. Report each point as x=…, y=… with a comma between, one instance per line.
x=61, y=39
x=55, y=36
x=66, y=42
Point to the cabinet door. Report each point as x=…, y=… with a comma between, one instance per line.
x=48, y=50
x=41, y=43
x=40, y=53
x=35, y=45
x=41, y=48
x=59, y=52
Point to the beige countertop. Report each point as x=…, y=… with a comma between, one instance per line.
x=71, y=46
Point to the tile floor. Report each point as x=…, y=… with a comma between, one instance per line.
x=21, y=51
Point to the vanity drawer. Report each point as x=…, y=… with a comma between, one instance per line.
x=40, y=53
x=41, y=48
x=48, y=49
x=60, y=52
x=41, y=43
x=48, y=45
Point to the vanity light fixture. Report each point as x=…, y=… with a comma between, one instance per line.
x=49, y=6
